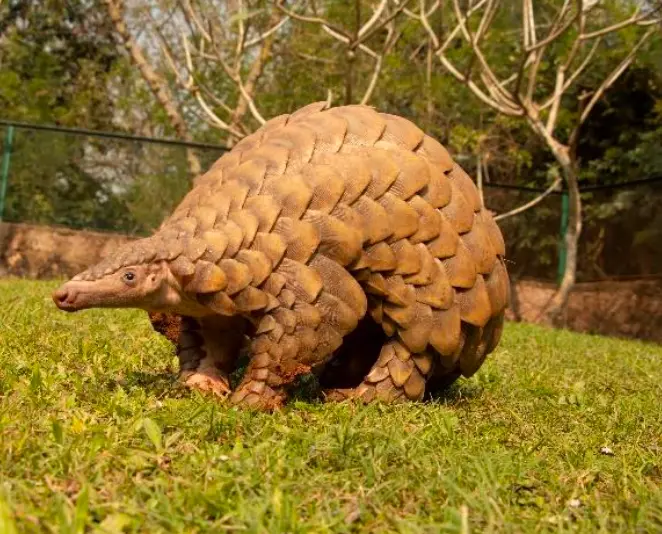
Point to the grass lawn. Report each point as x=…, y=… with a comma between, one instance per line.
x=557, y=432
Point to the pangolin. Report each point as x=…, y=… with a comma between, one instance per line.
x=326, y=224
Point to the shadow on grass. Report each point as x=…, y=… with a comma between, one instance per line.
x=455, y=394
x=306, y=389
x=163, y=384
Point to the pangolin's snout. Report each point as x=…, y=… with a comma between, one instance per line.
x=65, y=298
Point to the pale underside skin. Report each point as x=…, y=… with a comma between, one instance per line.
x=339, y=241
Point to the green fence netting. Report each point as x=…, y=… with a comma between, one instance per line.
x=92, y=182
x=621, y=233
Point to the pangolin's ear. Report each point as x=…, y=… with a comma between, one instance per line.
x=155, y=269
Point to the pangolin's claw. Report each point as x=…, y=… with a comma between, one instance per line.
x=207, y=382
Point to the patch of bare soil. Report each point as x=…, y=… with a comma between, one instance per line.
x=43, y=252
x=621, y=308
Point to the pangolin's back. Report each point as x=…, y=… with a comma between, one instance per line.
x=320, y=189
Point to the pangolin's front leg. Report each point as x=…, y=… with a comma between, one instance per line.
x=288, y=342
x=317, y=305
x=207, y=348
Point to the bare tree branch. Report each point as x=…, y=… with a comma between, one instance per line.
x=373, y=79
x=355, y=40
x=190, y=14
x=527, y=103
x=375, y=17
x=439, y=52
x=270, y=31
x=192, y=87
x=610, y=80
x=241, y=38
x=389, y=43
x=559, y=27
x=155, y=82
x=554, y=187
x=616, y=73
x=635, y=19
x=235, y=76
x=367, y=35
x=193, y=49
x=335, y=31
x=575, y=74
x=492, y=81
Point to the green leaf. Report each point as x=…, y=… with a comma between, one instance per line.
x=153, y=432
x=114, y=524
x=7, y=525
x=58, y=433
x=80, y=512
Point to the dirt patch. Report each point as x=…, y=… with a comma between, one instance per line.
x=169, y=326
x=43, y=252
x=621, y=308
x=631, y=308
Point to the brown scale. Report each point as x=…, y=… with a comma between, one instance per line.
x=330, y=135
x=413, y=175
x=364, y=125
x=437, y=192
x=480, y=247
x=248, y=223
x=251, y=173
x=435, y=153
x=354, y=172
x=403, y=219
x=374, y=220
x=427, y=268
x=495, y=235
x=230, y=160
x=274, y=156
x=301, y=238
x=300, y=141
x=377, y=257
x=460, y=267
x=429, y=225
x=266, y=209
x=300, y=115
x=465, y=184
x=338, y=240
x=445, y=245
x=399, y=133
x=458, y=211
x=327, y=186
x=290, y=192
x=383, y=170
x=333, y=225
x=258, y=264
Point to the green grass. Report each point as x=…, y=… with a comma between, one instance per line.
x=95, y=437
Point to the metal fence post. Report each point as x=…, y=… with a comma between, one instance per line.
x=4, y=172
x=565, y=208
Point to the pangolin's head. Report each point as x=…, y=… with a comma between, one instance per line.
x=136, y=275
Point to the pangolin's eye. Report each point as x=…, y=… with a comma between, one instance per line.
x=129, y=276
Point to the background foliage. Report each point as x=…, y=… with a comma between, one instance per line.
x=60, y=64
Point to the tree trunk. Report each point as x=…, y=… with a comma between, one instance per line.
x=553, y=311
